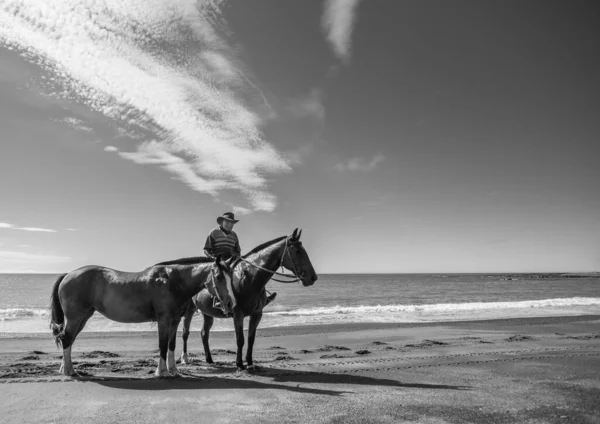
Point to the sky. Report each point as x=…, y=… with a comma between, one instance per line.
x=418, y=136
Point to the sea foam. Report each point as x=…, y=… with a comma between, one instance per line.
x=32, y=320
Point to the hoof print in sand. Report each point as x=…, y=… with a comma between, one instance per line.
x=585, y=337
x=227, y=351
x=518, y=338
x=332, y=356
x=362, y=352
x=99, y=354
x=30, y=358
x=427, y=343
x=328, y=348
x=284, y=358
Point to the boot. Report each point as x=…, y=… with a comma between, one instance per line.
x=271, y=298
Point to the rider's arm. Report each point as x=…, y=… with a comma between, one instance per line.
x=238, y=249
x=208, y=247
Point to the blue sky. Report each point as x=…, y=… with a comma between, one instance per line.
x=402, y=136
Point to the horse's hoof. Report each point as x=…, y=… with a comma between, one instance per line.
x=161, y=374
x=254, y=368
x=72, y=373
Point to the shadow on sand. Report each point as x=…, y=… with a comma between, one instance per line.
x=199, y=383
x=289, y=376
x=190, y=380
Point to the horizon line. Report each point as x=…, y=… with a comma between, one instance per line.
x=369, y=273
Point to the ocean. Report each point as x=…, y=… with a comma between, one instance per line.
x=345, y=298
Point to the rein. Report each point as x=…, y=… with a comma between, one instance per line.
x=295, y=277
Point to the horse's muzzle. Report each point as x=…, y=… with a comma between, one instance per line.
x=228, y=312
x=309, y=281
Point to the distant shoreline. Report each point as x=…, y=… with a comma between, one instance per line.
x=513, y=275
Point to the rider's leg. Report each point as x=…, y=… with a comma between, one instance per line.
x=271, y=297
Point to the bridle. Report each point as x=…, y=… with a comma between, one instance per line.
x=295, y=277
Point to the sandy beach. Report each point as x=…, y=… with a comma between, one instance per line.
x=534, y=370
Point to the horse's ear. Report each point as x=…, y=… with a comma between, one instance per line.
x=294, y=234
x=299, y=234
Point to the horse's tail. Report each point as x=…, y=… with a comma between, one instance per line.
x=57, y=315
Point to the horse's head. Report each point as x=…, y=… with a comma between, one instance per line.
x=219, y=284
x=296, y=260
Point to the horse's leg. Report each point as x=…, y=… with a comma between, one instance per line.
x=252, y=326
x=163, y=342
x=171, y=367
x=238, y=322
x=206, y=326
x=73, y=326
x=187, y=321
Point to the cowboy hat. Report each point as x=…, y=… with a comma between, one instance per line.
x=229, y=216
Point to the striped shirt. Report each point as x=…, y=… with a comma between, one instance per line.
x=221, y=242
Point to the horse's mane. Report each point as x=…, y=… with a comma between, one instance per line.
x=187, y=261
x=262, y=246
x=204, y=259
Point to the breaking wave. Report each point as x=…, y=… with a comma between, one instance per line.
x=442, y=307
x=15, y=313
x=34, y=320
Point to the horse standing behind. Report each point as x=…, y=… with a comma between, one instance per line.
x=251, y=273
x=159, y=293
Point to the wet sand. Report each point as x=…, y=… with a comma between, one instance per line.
x=534, y=370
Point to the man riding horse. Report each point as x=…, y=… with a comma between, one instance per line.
x=224, y=241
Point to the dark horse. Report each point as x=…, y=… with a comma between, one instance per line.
x=250, y=276
x=159, y=293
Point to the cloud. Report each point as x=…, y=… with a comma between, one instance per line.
x=35, y=230
x=360, y=164
x=159, y=67
x=338, y=22
x=241, y=210
x=76, y=124
x=30, y=229
x=124, y=133
x=310, y=105
x=111, y=149
x=299, y=155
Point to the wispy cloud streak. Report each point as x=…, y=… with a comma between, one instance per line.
x=75, y=123
x=360, y=164
x=338, y=22
x=310, y=105
x=159, y=66
x=30, y=229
